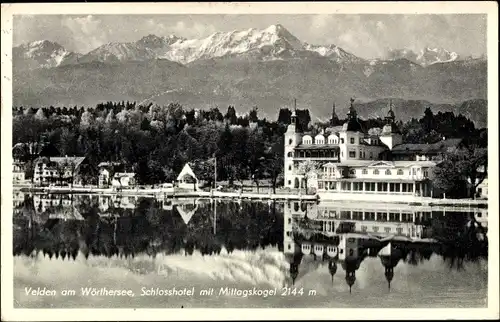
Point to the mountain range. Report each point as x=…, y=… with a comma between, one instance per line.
x=265, y=68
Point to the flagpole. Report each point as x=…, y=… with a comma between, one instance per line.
x=215, y=173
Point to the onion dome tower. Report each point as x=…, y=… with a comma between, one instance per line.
x=391, y=135
x=332, y=268
x=353, y=124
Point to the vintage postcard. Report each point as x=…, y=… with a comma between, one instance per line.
x=249, y=161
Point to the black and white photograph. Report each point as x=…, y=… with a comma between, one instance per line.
x=311, y=158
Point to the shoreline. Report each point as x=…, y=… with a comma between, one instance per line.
x=340, y=197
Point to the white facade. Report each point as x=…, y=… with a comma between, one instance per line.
x=53, y=170
x=348, y=160
x=44, y=202
x=104, y=177
x=17, y=172
x=123, y=179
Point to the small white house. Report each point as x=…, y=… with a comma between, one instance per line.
x=482, y=189
x=104, y=177
x=187, y=179
x=123, y=179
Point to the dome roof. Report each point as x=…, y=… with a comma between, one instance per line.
x=353, y=125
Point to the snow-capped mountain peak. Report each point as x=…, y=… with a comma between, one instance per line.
x=42, y=53
x=429, y=56
x=425, y=57
x=273, y=42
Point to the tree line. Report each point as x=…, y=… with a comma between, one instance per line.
x=156, y=141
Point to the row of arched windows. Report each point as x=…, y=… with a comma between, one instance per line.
x=377, y=172
x=320, y=139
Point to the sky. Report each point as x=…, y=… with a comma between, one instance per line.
x=365, y=35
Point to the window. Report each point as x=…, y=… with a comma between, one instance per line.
x=400, y=172
x=365, y=171
x=387, y=230
x=289, y=182
x=388, y=172
x=382, y=186
x=290, y=154
x=352, y=171
x=290, y=167
x=342, y=140
x=352, y=154
x=399, y=230
x=426, y=174
x=290, y=142
x=369, y=186
x=364, y=229
x=352, y=140
x=375, y=171
x=289, y=247
x=375, y=229
x=371, y=155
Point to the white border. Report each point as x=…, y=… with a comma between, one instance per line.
x=8, y=10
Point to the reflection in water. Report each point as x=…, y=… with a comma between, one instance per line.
x=348, y=234
x=329, y=237
x=127, y=226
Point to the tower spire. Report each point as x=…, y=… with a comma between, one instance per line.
x=390, y=118
x=334, y=115
x=352, y=111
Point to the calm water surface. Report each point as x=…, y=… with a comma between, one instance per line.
x=396, y=256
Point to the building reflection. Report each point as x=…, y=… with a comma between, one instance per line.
x=312, y=236
x=101, y=225
x=346, y=234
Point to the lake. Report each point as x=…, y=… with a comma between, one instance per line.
x=82, y=251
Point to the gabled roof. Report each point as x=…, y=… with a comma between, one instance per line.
x=186, y=170
x=438, y=147
x=185, y=213
x=382, y=163
x=66, y=213
x=70, y=160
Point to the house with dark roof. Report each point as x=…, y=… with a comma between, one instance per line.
x=425, y=152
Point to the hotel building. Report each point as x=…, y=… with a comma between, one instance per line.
x=351, y=164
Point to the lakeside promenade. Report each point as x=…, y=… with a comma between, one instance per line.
x=160, y=193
